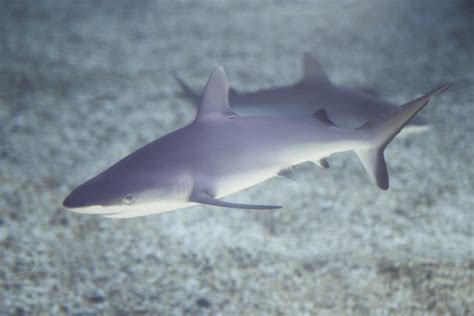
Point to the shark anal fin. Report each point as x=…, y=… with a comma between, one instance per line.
x=322, y=116
x=313, y=72
x=204, y=198
x=288, y=174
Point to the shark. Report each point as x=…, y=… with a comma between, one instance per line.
x=346, y=106
x=221, y=152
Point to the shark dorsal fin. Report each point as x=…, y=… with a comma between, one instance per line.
x=215, y=98
x=322, y=116
x=312, y=70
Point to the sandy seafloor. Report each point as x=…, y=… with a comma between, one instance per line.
x=83, y=83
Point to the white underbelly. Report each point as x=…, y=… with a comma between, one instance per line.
x=237, y=181
x=151, y=208
x=127, y=211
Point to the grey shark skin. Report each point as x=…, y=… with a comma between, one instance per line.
x=220, y=153
x=345, y=106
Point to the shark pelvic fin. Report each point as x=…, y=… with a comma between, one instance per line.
x=204, y=198
x=215, y=98
x=288, y=174
x=322, y=116
x=313, y=71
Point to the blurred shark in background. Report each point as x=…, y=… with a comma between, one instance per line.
x=220, y=153
x=347, y=107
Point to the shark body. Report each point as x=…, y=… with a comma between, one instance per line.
x=347, y=107
x=220, y=153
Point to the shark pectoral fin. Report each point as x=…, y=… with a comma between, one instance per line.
x=288, y=174
x=322, y=116
x=204, y=198
x=215, y=98
x=313, y=71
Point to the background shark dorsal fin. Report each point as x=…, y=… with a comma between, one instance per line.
x=312, y=70
x=215, y=98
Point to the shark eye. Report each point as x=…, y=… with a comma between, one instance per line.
x=128, y=199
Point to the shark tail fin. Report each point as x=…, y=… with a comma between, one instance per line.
x=188, y=92
x=381, y=131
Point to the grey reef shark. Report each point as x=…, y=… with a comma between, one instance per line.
x=220, y=153
x=347, y=107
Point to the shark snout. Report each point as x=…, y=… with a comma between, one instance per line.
x=87, y=194
x=76, y=199
x=96, y=192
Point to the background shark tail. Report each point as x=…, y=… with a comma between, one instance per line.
x=382, y=130
x=188, y=92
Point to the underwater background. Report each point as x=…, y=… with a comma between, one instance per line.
x=84, y=83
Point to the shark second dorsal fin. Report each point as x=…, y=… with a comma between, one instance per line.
x=313, y=71
x=322, y=116
x=215, y=98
